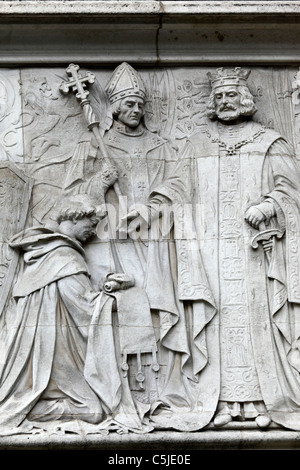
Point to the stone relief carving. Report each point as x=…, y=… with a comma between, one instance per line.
x=247, y=179
x=149, y=250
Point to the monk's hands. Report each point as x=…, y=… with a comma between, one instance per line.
x=117, y=281
x=117, y=277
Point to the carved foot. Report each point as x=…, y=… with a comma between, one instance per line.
x=263, y=421
x=222, y=419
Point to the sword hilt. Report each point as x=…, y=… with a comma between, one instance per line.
x=266, y=235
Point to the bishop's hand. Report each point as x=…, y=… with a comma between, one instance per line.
x=109, y=176
x=135, y=223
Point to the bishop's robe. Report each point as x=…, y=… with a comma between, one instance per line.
x=144, y=160
x=257, y=298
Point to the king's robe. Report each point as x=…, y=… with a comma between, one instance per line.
x=257, y=299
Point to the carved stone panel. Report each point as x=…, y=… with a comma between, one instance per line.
x=149, y=263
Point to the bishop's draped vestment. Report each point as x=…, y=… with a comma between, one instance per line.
x=181, y=319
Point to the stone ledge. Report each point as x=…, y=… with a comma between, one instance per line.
x=151, y=32
x=229, y=439
x=26, y=9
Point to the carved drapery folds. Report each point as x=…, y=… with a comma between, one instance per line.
x=149, y=271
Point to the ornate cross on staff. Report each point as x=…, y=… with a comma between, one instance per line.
x=77, y=84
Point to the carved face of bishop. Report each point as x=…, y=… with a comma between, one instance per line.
x=131, y=110
x=227, y=103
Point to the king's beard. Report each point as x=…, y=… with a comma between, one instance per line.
x=228, y=114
